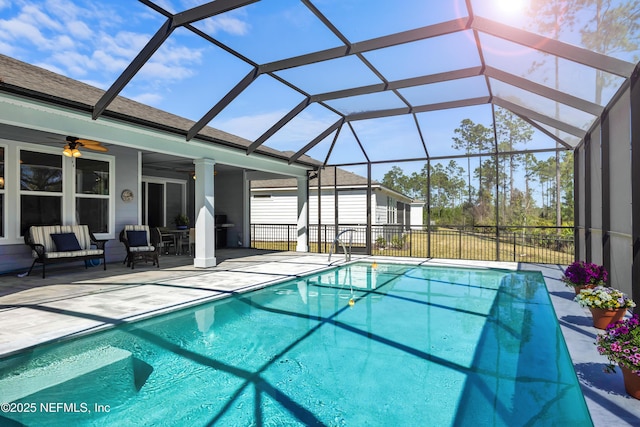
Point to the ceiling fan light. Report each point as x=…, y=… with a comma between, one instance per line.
x=76, y=153
x=67, y=151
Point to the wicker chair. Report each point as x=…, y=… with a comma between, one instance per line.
x=142, y=243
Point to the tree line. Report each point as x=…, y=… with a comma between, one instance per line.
x=518, y=187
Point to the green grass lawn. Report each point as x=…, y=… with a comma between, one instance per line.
x=449, y=243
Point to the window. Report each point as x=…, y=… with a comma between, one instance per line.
x=55, y=190
x=40, y=189
x=92, y=194
x=391, y=210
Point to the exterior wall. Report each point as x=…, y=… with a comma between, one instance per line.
x=380, y=211
x=327, y=204
x=274, y=208
x=279, y=207
x=416, y=215
x=15, y=256
x=127, y=177
x=228, y=201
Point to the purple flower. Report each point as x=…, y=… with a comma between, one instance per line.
x=620, y=343
x=580, y=273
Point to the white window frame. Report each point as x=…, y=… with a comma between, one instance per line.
x=392, y=210
x=19, y=192
x=110, y=197
x=13, y=192
x=163, y=181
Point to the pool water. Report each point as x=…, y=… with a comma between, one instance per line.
x=359, y=345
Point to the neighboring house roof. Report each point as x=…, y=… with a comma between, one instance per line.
x=345, y=179
x=327, y=179
x=27, y=80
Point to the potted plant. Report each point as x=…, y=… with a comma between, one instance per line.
x=181, y=221
x=607, y=305
x=582, y=274
x=621, y=344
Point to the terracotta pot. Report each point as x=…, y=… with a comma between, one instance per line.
x=631, y=382
x=602, y=317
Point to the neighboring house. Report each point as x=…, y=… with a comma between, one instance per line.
x=143, y=174
x=275, y=201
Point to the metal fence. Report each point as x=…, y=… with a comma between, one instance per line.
x=547, y=245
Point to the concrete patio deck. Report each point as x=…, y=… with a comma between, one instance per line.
x=73, y=301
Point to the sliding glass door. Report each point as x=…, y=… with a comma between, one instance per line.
x=164, y=199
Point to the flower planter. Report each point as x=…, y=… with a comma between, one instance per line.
x=578, y=288
x=631, y=382
x=602, y=317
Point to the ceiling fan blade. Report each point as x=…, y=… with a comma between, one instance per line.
x=95, y=148
x=86, y=142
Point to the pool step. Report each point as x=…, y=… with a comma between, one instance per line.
x=102, y=373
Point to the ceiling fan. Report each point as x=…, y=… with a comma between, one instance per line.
x=71, y=149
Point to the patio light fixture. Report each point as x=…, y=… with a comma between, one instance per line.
x=71, y=150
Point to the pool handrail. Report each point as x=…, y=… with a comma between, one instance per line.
x=347, y=254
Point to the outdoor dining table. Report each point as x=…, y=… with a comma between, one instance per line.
x=178, y=236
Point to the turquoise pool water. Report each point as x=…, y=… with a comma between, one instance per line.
x=395, y=345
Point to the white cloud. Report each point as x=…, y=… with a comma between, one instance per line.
x=63, y=41
x=94, y=41
x=152, y=99
x=304, y=127
x=95, y=83
x=33, y=14
x=160, y=71
x=177, y=54
x=108, y=62
x=18, y=30
x=250, y=127
x=7, y=48
x=227, y=24
x=77, y=63
x=79, y=29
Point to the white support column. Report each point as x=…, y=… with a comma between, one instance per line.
x=303, y=215
x=243, y=240
x=204, y=212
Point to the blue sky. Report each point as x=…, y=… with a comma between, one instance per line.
x=94, y=41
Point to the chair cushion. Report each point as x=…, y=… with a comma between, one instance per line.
x=137, y=238
x=66, y=242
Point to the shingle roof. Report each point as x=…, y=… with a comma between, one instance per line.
x=35, y=82
x=327, y=177
x=346, y=179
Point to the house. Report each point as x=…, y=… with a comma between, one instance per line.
x=135, y=167
x=388, y=207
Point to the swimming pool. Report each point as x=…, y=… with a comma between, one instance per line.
x=358, y=345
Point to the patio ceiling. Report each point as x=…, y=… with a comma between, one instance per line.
x=358, y=74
